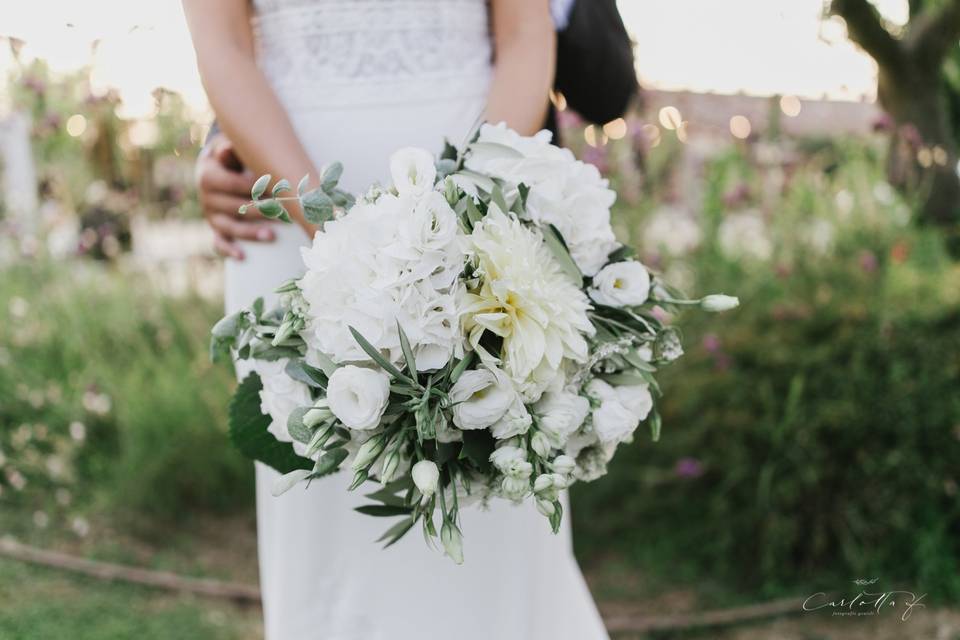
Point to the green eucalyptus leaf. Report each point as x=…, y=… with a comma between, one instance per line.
x=282, y=186
x=317, y=206
x=270, y=208
x=302, y=372
x=260, y=186
x=303, y=184
x=295, y=427
x=329, y=462
x=330, y=176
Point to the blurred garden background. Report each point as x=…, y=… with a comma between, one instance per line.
x=800, y=154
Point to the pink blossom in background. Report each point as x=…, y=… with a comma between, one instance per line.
x=868, y=261
x=711, y=342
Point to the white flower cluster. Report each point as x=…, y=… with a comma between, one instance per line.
x=565, y=192
x=395, y=259
x=444, y=336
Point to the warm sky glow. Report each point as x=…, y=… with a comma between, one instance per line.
x=755, y=46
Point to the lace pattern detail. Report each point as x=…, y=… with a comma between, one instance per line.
x=337, y=53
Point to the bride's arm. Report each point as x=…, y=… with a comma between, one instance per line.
x=246, y=107
x=525, y=50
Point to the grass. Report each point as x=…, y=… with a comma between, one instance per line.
x=44, y=604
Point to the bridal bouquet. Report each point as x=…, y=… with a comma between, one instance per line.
x=474, y=332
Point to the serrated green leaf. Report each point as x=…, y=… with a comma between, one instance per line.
x=248, y=430
x=554, y=242
x=280, y=187
x=260, y=186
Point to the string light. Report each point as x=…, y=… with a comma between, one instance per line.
x=790, y=105
x=615, y=129
x=670, y=118
x=740, y=127
x=76, y=125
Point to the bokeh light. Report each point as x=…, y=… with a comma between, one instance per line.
x=670, y=118
x=740, y=127
x=791, y=106
x=76, y=125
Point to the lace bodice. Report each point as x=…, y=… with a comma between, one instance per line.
x=341, y=53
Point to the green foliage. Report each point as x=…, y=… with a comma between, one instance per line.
x=811, y=436
x=82, y=344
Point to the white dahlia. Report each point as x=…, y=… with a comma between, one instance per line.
x=525, y=299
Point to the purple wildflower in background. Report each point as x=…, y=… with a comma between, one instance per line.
x=688, y=468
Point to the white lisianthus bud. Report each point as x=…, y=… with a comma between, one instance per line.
x=480, y=398
x=540, y=443
x=563, y=465
x=412, y=170
x=452, y=541
x=369, y=451
x=426, y=475
x=613, y=422
x=390, y=464
x=317, y=414
x=543, y=482
x=637, y=398
x=546, y=507
x=718, y=303
x=358, y=396
x=621, y=284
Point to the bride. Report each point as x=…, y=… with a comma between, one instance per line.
x=299, y=83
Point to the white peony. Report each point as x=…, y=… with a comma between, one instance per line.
x=525, y=299
x=481, y=397
x=358, y=396
x=621, y=284
x=280, y=395
x=412, y=170
x=564, y=192
x=395, y=259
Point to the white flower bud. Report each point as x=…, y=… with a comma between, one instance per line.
x=318, y=414
x=718, y=303
x=546, y=507
x=369, y=452
x=390, y=464
x=426, y=475
x=452, y=541
x=542, y=483
x=563, y=465
x=540, y=443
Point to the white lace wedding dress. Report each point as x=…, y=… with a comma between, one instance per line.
x=359, y=79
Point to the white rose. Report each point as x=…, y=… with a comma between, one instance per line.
x=280, y=395
x=412, y=170
x=425, y=475
x=481, y=397
x=561, y=413
x=637, y=399
x=358, y=396
x=621, y=284
x=613, y=422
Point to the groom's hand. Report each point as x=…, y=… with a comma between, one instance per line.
x=223, y=186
